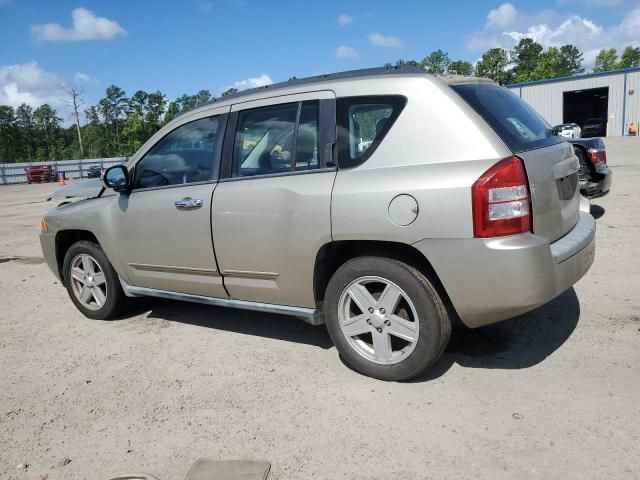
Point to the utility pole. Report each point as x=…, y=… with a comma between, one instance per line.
x=75, y=102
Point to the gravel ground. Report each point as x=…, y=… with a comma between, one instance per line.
x=551, y=394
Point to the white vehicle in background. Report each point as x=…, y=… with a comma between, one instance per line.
x=569, y=130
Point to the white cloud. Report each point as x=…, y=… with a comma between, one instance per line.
x=344, y=19
x=502, y=16
x=254, y=82
x=83, y=78
x=380, y=40
x=30, y=84
x=86, y=26
x=505, y=26
x=343, y=52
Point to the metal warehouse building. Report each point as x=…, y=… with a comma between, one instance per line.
x=613, y=95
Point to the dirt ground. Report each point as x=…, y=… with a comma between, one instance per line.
x=551, y=394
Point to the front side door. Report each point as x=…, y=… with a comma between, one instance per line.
x=271, y=209
x=164, y=225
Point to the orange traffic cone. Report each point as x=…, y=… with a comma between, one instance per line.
x=61, y=175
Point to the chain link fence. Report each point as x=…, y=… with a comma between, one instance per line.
x=11, y=173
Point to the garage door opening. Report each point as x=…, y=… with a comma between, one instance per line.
x=582, y=105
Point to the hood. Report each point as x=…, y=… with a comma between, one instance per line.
x=86, y=189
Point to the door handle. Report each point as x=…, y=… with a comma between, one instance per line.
x=189, y=203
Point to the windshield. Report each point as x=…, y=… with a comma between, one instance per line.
x=519, y=125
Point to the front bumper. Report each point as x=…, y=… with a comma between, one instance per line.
x=48, y=245
x=493, y=279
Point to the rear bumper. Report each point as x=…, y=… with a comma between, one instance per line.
x=489, y=280
x=599, y=184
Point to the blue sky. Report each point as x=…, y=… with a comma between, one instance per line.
x=183, y=46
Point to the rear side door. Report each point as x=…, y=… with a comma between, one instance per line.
x=164, y=225
x=271, y=208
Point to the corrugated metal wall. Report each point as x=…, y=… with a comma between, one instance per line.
x=547, y=98
x=633, y=99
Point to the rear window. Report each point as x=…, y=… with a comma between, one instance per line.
x=519, y=125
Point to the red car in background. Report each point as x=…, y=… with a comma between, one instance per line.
x=43, y=173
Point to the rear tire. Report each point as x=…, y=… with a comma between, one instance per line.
x=385, y=318
x=91, y=281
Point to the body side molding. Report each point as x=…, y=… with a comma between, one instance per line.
x=309, y=315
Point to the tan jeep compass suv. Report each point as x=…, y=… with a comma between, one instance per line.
x=349, y=199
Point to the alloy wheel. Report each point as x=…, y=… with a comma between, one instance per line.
x=378, y=319
x=88, y=282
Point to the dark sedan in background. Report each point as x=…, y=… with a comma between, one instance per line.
x=594, y=127
x=594, y=174
x=94, y=171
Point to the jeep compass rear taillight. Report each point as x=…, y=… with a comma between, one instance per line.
x=501, y=203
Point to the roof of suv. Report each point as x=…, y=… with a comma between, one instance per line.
x=348, y=75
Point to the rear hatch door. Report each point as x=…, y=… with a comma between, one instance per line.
x=553, y=181
x=551, y=165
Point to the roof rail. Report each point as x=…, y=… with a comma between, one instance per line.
x=366, y=72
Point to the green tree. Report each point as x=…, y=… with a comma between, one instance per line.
x=25, y=133
x=95, y=135
x=460, y=67
x=570, y=61
x=494, y=65
x=48, y=132
x=525, y=57
x=630, y=57
x=138, y=103
x=173, y=110
x=112, y=108
x=133, y=132
x=548, y=65
x=156, y=104
x=202, y=97
x=8, y=140
x=230, y=91
x=405, y=63
x=436, y=62
x=607, y=59
x=187, y=102
x=531, y=63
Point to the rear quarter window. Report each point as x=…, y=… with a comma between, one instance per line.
x=362, y=123
x=517, y=123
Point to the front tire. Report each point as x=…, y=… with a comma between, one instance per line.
x=385, y=318
x=91, y=281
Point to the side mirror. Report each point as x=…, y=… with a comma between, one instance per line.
x=117, y=177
